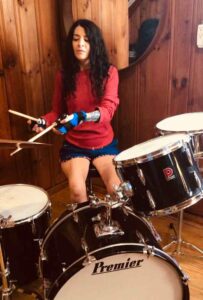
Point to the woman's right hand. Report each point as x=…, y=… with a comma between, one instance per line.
x=37, y=126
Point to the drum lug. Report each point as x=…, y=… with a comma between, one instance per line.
x=6, y=222
x=43, y=256
x=185, y=278
x=153, y=230
x=151, y=199
x=148, y=250
x=140, y=237
x=198, y=181
x=34, y=231
x=189, y=156
x=89, y=258
x=72, y=207
x=141, y=176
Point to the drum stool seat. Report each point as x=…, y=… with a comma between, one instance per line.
x=93, y=173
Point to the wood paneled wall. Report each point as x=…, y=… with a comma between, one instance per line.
x=167, y=82
x=112, y=17
x=29, y=57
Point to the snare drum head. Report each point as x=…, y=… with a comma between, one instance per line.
x=189, y=122
x=125, y=275
x=151, y=147
x=21, y=201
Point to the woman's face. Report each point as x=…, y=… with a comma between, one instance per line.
x=81, y=46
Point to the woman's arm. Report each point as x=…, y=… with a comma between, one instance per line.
x=110, y=100
x=56, y=111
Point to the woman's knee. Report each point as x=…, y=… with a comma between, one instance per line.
x=78, y=191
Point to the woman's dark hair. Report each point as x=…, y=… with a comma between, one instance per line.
x=99, y=63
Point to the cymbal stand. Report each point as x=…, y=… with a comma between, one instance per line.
x=178, y=241
x=7, y=286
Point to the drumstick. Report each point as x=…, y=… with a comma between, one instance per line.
x=22, y=115
x=3, y=269
x=36, y=137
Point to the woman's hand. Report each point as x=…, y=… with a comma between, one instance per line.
x=67, y=122
x=37, y=126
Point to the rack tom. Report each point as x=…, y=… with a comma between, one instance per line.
x=188, y=123
x=163, y=173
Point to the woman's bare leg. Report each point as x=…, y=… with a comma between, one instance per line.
x=104, y=165
x=76, y=171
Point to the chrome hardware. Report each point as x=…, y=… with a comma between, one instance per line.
x=72, y=206
x=107, y=226
x=94, y=200
x=33, y=226
x=197, y=179
x=43, y=255
x=103, y=229
x=148, y=250
x=123, y=192
x=127, y=189
x=89, y=258
x=153, y=230
x=6, y=222
x=97, y=218
x=75, y=217
x=151, y=200
x=141, y=176
x=188, y=191
x=189, y=156
x=140, y=237
x=64, y=266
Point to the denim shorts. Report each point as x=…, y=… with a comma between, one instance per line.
x=69, y=151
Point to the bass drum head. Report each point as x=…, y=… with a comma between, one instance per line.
x=127, y=274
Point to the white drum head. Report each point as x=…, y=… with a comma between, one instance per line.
x=21, y=201
x=151, y=147
x=127, y=276
x=189, y=122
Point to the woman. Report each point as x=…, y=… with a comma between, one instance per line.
x=87, y=91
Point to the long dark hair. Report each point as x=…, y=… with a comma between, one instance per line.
x=99, y=62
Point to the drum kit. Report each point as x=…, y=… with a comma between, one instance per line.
x=110, y=237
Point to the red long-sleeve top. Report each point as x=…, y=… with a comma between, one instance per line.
x=88, y=135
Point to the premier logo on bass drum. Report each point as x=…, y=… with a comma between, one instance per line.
x=101, y=268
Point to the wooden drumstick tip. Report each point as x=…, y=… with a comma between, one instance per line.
x=22, y=115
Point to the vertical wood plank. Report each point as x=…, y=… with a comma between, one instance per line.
x=195, y=99
x=181, y=53
x=50, y=58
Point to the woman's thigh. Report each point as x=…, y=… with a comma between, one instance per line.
x=76, y=169
x=104, y=165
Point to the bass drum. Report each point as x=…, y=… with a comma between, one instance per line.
x=81, y=258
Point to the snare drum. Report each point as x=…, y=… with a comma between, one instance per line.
x=77, y=263
x=190, y=123
x=25, y=215
x=163, y=173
